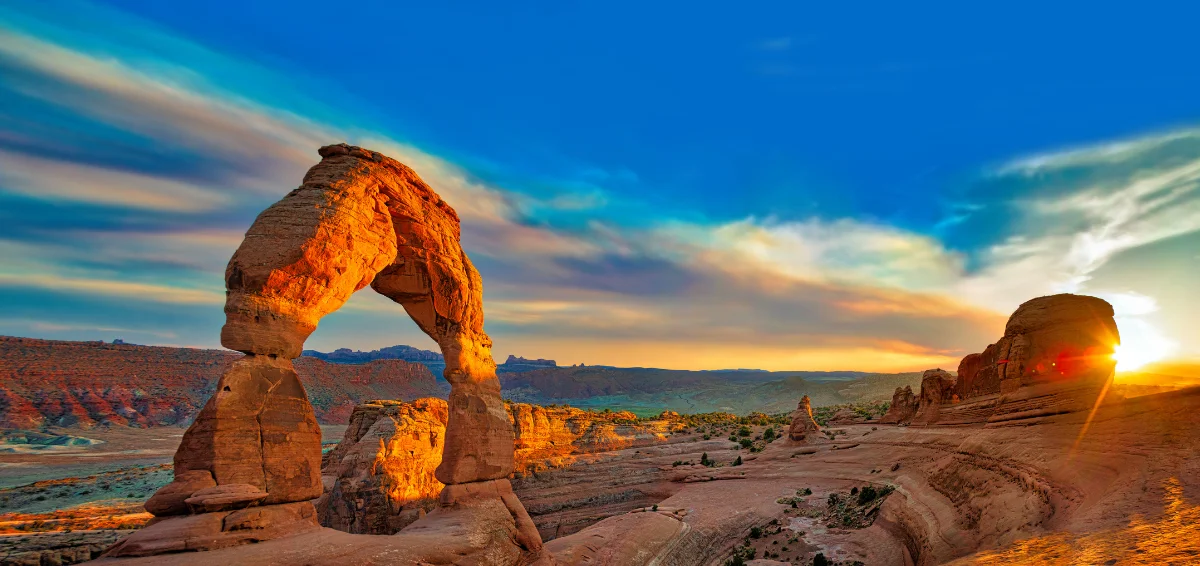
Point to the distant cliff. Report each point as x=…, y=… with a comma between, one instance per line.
x=429, y=359
x=60, y=383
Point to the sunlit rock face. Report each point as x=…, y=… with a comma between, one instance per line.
x=804, y=427
x=1056, y=356
x=550, y=437
x=359, y=218
x=380, y=477
x=1048, y=339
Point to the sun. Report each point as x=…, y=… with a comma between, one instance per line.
x=1129, y=358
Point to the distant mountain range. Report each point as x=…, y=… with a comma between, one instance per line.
x=428, y=358
x=60, y=383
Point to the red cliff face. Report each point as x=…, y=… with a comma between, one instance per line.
x=61, y=383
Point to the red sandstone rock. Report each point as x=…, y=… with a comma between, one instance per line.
x=171, y=500
x=903, y=408
x=359, y=218
x=227, y=497
x=258, y=430
x=381, y=475
x=1047, y=339
x=1055, y=357
x=937, y=388
x=803, y=425
x=380, y=478
x=62, y=383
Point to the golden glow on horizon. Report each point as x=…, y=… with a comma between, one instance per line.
x=1130, y=358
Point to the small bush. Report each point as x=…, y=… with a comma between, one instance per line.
x=756, y=532
x=820, y=560
x=655, y=508
x=744, y=431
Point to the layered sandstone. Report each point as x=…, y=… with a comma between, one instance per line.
x=1056, y=356
x=87, y=384
x=937, y=388
x=380, y=477
x=903, y=408
x=803, y=426
x=358, y=219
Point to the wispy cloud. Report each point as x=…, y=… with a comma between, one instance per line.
x=194, y=162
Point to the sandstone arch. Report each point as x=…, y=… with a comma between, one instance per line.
x=358, y=219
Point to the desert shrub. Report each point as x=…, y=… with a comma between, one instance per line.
x=655, y=508
x=746, y=443
x=744, y=431
x=677, y=463
x=756, y=532
x=820, y=560
x=854, y=491
x=738, y=462
x=704, y=461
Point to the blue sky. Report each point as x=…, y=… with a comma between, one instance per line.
x=677, y=185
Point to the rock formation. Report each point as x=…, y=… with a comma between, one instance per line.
x=551, y=437
x=803, y=427
x=358, y=219
x=1048, y=339
x=380, y=477
x=1055, y=357
x=903, y=408
x=937, y=388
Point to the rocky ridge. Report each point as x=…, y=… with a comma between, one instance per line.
x=85, y=384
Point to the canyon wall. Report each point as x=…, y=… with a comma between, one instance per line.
x=84, y=384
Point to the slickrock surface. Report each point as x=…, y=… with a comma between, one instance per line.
x=803, y=427
x=1113, y=489
x=85, y=384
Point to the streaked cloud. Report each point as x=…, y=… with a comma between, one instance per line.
x=171, y=168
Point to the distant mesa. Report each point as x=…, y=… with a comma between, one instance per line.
x=515, y=362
